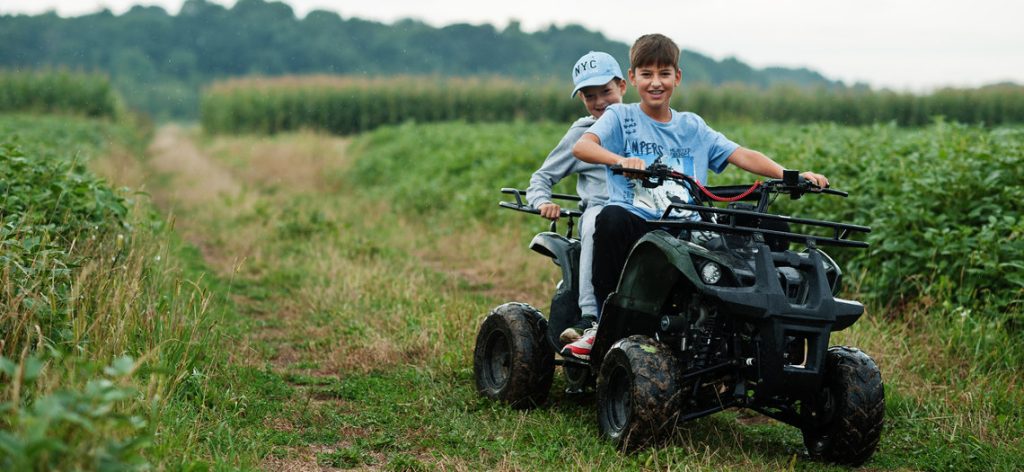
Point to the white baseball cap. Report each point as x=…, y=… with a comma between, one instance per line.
x=594, y=68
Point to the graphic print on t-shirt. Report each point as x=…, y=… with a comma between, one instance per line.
x=686, y=144
x=659, y=198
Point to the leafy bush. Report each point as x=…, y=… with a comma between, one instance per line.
x=48, y=202
x=60, y=195
x=72, y=429
x=451, y=167
x=944, y=204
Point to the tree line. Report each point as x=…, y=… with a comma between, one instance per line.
x=159, y=61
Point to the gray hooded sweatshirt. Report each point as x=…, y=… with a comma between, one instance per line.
x=591, y=184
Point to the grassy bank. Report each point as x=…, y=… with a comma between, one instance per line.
x=106, y=332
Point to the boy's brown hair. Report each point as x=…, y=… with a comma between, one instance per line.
x=653, y=50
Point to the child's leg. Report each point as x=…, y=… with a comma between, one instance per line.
x=587, y=301
x=616, y=230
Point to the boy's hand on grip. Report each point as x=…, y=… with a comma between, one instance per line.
x=632, y=163
x=816, y=179
x=550, y=211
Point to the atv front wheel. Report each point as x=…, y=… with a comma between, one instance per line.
x=512, y=362
x=638, y=393
x=850, y=410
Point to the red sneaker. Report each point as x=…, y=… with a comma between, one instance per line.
x=574, y=333
x=580, y=349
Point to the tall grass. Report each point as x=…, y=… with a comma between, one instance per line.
x=99, y=328
x=347, y=105
x=57, y=91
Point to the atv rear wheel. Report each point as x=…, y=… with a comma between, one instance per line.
x=512, y=362
x=638, y=393
x=850, y=410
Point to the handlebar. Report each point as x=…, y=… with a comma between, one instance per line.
x=791, y=183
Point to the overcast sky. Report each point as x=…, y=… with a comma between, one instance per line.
x=900, y=44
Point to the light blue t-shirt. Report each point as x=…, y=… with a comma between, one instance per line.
x=686, y=144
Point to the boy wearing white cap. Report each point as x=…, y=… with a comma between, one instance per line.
x=598, y=80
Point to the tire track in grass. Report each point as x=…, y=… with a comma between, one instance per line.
x=226, y=208
x=333, y=284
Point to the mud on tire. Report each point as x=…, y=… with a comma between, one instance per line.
x=638, y=393
x=512, y=362
x=851, y=409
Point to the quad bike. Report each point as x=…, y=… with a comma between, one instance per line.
x=709, y=313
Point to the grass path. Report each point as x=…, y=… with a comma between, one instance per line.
x=307, y=258
x=352, y=346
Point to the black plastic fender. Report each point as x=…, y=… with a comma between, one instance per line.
x=565, y=310
x=563, y=251
x=654, y=267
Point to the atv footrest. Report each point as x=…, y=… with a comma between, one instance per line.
x=563, y=360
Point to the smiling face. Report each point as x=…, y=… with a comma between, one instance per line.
x=597, y=97
x=655, y=83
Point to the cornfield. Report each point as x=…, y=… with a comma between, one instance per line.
x=344, y=105
x=348, y=105
x=57, y=92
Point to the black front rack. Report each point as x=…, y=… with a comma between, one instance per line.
x=841, y=231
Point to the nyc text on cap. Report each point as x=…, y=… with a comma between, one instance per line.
x=594, y=68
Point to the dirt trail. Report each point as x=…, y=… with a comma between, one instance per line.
x=185, y=179
x=205, y=195
x=196, y=178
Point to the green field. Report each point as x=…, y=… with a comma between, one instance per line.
x=304, y=300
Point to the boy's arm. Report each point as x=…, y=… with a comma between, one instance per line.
x=588, y=149
x=756, y=163
x=557, y=166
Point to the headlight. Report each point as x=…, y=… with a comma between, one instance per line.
x=711, y=273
